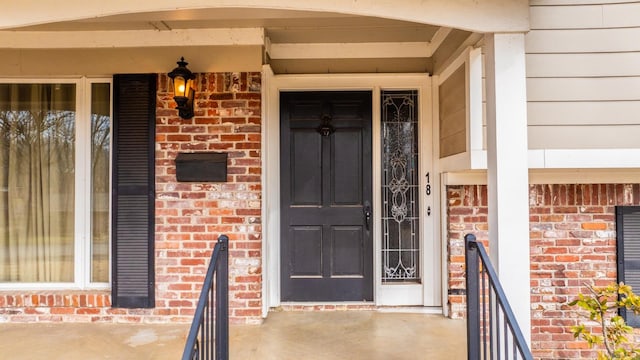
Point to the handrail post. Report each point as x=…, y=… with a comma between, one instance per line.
x=222, y=300
x=473, y=299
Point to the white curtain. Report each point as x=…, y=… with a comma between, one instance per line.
x=100, y=184
x=37, y=141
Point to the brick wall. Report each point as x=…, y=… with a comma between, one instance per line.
x=573, y=242
x=572, y=238
x=189, y=216
x=466, y=213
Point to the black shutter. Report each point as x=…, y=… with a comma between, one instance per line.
x=134, y=103
x=628, y=253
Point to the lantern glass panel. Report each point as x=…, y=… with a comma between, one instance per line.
x=189, y=88
x=179, y=86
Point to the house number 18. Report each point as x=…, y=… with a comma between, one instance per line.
x=428, y=189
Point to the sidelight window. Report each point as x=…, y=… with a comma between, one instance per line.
x=400, y=217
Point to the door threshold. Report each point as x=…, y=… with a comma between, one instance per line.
x=325, y=306
x=411, y=309
x=354, y=306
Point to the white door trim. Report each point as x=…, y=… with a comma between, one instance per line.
x=272, y=86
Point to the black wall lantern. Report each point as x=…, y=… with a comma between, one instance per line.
x=183, y=89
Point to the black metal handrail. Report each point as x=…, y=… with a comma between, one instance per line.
x=209, y=334
x=492, y=329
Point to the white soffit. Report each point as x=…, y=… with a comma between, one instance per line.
x=360, y=50
x=130, y=38
x=350, y=50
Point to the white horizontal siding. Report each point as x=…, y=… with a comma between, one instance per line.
x=583, y=41
x=583, y=89
x=584, y=137
x=577, y=2
x=584, y=113
x=585, y=16
x=583, y=74
x=621, y=15
x=565, y=17
x=583, y=65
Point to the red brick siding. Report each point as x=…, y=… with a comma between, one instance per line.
x=573, y=242
x=466, y=213
x=189, y=216
x=572, y=239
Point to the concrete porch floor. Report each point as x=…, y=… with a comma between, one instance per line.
x=284, y=335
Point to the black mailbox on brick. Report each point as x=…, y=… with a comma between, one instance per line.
x=201, y=167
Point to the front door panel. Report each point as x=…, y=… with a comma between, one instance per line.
x=326, y=251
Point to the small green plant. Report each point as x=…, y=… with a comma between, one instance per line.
x=602, y=305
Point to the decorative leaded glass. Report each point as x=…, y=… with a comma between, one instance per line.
x=400, y=225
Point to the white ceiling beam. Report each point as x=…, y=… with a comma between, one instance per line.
x=364, y=50
x=473, y=40
x=267, y=45
x=367, y=50
x=130, y=38
x=438, y=38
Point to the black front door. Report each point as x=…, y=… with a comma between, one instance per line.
x=326, y=252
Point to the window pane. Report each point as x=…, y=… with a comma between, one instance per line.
x=100, y=148
x=37, y=172
x=400, y=226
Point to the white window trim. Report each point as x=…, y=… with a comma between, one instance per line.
x=82, y=209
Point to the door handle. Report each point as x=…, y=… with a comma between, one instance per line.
x=366, y=210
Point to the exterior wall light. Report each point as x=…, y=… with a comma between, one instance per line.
x=183, y=88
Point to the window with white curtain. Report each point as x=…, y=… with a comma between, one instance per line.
x=54, y=183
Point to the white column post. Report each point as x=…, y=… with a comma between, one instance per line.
x=507, y=167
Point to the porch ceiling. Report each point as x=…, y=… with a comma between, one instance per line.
x=293, y=41
x=274, y=20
